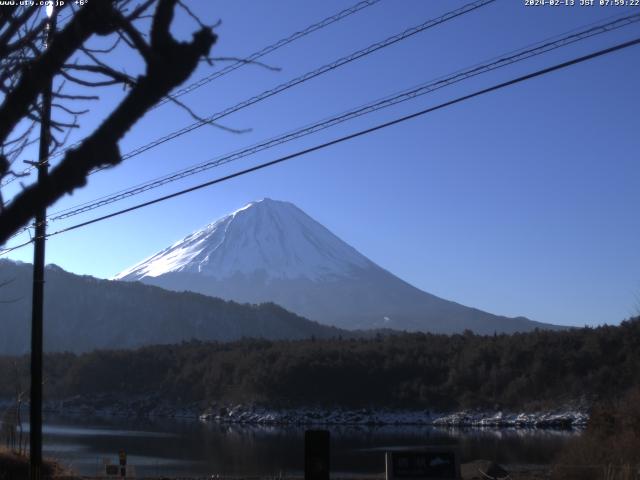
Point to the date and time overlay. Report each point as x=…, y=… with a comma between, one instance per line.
x=526, y=3
x=581, y=3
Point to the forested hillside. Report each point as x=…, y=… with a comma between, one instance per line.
x=83, y=313
x=541, y=368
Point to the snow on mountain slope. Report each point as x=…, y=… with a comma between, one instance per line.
x=271, y=251
x=270, y=236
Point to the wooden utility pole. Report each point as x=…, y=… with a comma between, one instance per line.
x=35, y=407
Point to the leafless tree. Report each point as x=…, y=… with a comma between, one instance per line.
x=73, y=61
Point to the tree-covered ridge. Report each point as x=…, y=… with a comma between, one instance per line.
x=538, y=369
x=85, y=313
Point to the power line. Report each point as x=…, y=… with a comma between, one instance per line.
x=269, y=49
x=345, y=138
x=496, y=63
x=309, y=75
x=240, y=63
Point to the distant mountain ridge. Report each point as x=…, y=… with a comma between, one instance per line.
x=83, y=313
x=271, y=250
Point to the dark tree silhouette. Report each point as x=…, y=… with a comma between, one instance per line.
x=27, y=67
x=526, y=371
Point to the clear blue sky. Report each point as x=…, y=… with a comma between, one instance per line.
x=522, y=202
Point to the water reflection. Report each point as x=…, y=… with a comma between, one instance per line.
x=174, y=447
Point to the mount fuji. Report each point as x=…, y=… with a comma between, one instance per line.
x=271, y=251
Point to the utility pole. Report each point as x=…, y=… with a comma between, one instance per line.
x=35, y=407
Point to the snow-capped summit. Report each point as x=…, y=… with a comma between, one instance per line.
x=271, y=251
x=268, y=236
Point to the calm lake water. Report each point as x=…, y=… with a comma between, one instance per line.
x=174, y=447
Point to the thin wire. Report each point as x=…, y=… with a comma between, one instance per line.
x=423, y=89
x=269, y=49
x=308, y=76
x=460, y=75
x=304, y=78
x=345, y=138
x=240, y=63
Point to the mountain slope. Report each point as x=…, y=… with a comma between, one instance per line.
x=275, y=238
x=84, y=313
x=272, y=251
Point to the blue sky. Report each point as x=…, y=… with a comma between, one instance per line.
x=521, y=202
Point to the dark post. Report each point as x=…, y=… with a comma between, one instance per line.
x=316, y=454
x=123, y=463
x=35, y=407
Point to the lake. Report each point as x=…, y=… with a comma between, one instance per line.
x=189, y=447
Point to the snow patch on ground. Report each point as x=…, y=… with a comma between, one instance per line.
x=153, y=406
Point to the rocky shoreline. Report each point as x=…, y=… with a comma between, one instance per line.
x=317, y=416
x=156, y=407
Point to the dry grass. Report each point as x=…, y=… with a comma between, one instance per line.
x=16, y=467
x=610, y=447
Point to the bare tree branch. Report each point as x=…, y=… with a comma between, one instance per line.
x=168, y=64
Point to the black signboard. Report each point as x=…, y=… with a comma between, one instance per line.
x=316, y=454
x=430, y=463
x=111, y=470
